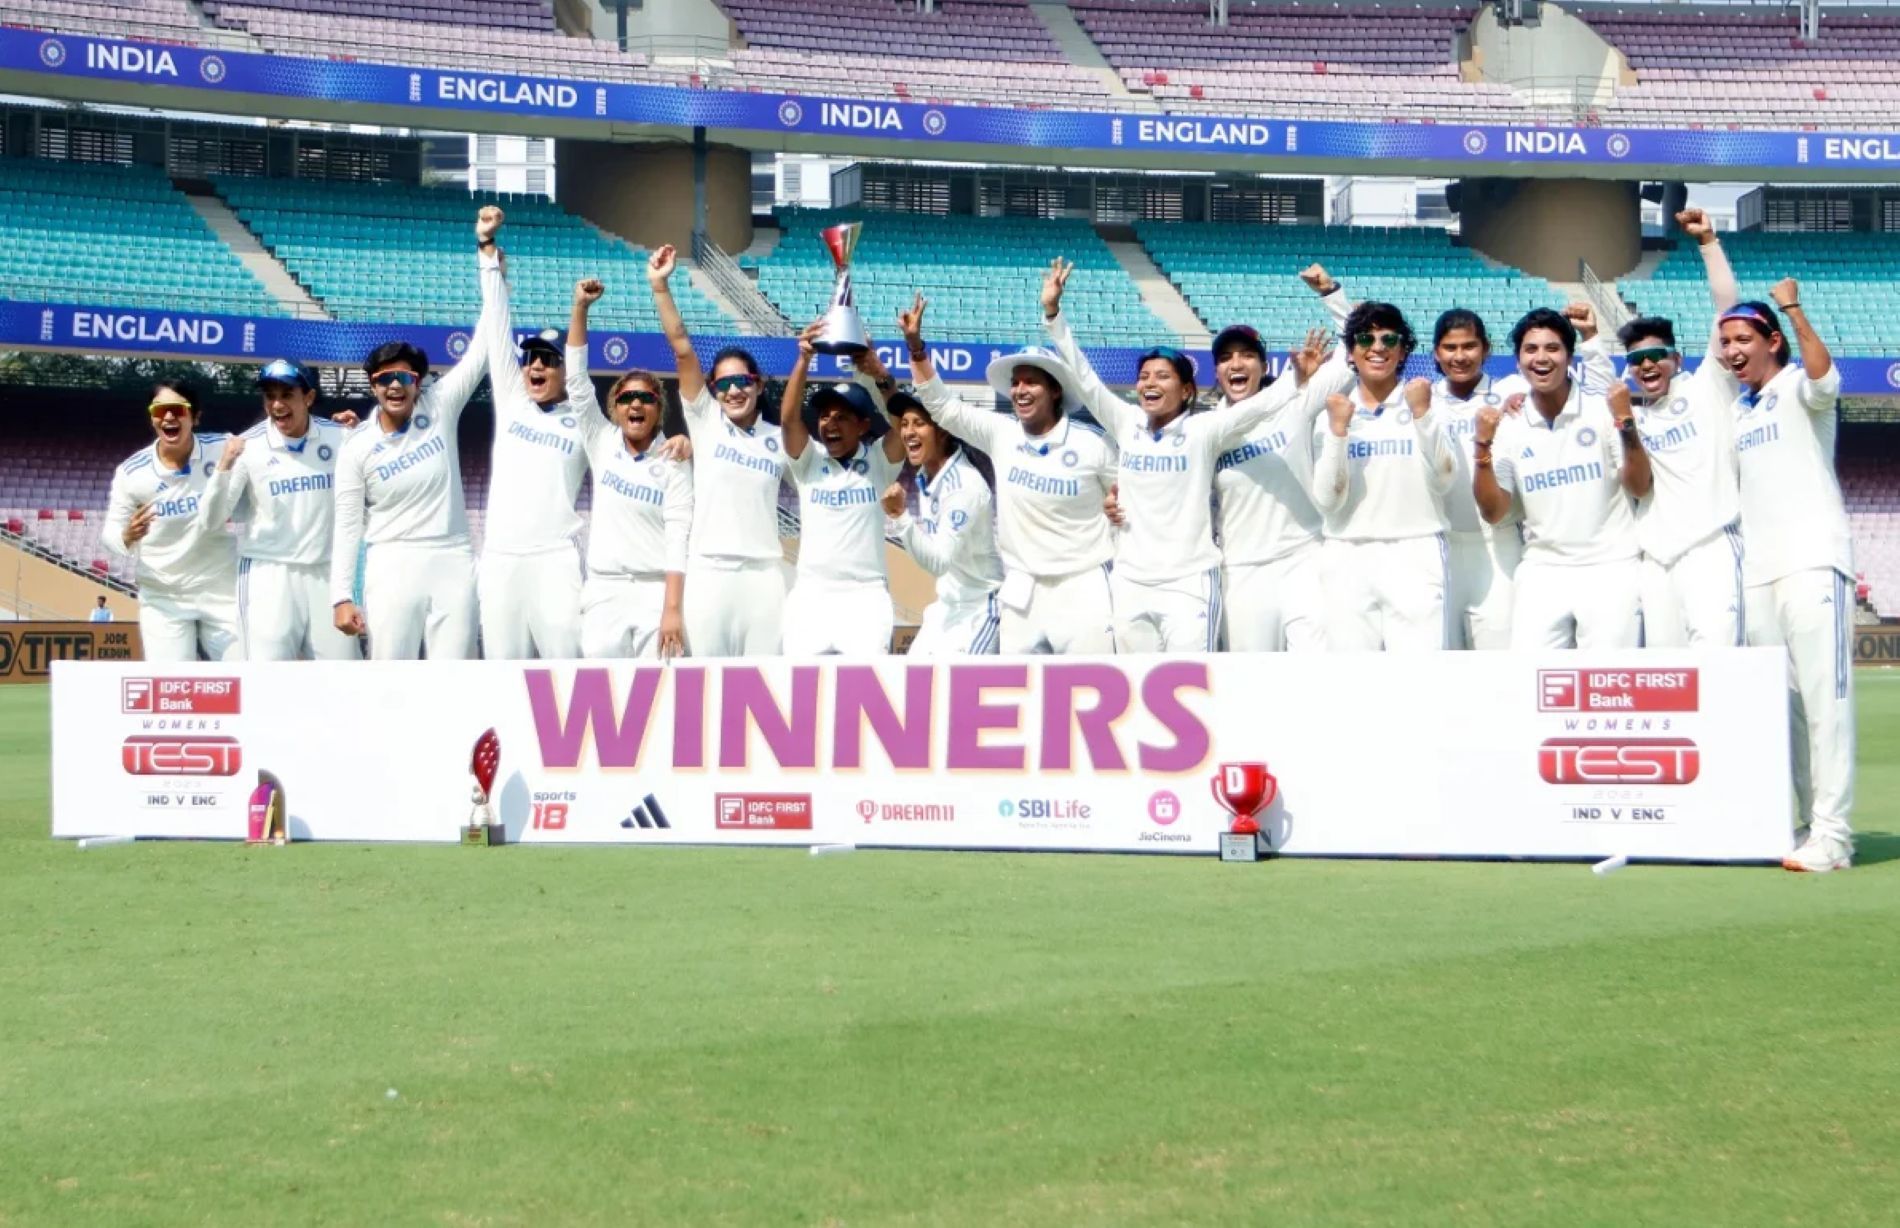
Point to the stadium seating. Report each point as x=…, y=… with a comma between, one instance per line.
x=79, y=232
x=488, y=14
x=1749, y=68
x=1850, y=285
x=1250, y=274
x=982, y=276
x=393, y=252
x=170, y=20
x=1871, y=486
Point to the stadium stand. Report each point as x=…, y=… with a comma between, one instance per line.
x=1749, y=68
x=397, y=252
x=167, y=20
x=981, y=275
x=76, y=232
x=1850, y=284
x=1291, y=60
x=1871, y=487
x=489, y=14
x=1238, y=273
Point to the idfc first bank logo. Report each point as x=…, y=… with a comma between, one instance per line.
x=1618, y=690
x=179, y=696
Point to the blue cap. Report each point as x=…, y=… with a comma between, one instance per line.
x=286, y=371
x=853, y=397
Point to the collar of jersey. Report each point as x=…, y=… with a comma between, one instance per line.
x=1358, y=408
x=863, y=453
x=197, y=450
x=1041, y=444
x=1441, y=389
x=277, y=439
x=1573, y=407
x=750, y=432
x=923, y=479
x=1175, y=427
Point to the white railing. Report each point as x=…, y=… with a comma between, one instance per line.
x=1612, y=312
x=757, y=317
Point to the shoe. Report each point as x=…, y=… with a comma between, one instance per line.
x=1818, y=854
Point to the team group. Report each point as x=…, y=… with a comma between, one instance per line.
x=1340, y=506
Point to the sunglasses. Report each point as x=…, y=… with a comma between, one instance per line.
x=391, y=379
x=161, y=409
x=1364, y=341
x=732, y=383
x=1638, y=358
x=546, y=358
x=635, y=397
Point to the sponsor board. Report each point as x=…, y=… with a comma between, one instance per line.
x=28, y=649
x=1877, y=645
x=1461, y=754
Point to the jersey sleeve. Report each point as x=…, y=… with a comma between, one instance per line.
x=1818, y=396
x=1598, y=371
x=700, y=410
x=805, y=467
x=347, y=535
x=451, y=391
x=1434, y=448
x=120, y=506
x=1230, y=425
x=1332, y=477
x=580, y=392
x=1110, y=410
x=1504, y=460
x=956, y=415
x=676, y=514
x=226, y=493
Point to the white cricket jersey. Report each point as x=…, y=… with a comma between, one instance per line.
x=538, y=455
x=406, y=485
x=1690, y=437
x=736, y=476
x=1458, y=418
x=840, y=521
x=953, y=535
x=281, y=492
x=179, y=556
x=643, y=510
x=1386, y=480
x=1049, y=488
x=1792, y=515
x=1565, y=480
x=1165, y=477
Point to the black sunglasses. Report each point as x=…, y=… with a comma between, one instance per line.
x=1658, y=353
x=634, y=396
x=1390, y=341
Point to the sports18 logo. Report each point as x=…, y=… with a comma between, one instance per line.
x=1613, y=761
x=203, y=755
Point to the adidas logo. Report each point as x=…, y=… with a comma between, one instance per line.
x=647, y=814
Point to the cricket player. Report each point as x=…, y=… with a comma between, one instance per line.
x=1569, y=463
x=399, y=487
x=1379, y=479
x=1800, y=562
x=1690, y=525
x=1166, y=582
x=840, y=604
x=277, y=481
x=1053, y=474
x=187, y=573
x=632, y=602
x=952, y=536
x=735, y=580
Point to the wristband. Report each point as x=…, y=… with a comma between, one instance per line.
x=1482, y=443
x=1482, y=460
x=917, y=352
x=1792, y=307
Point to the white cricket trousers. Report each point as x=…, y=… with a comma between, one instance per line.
x=1697, y=601
x=1483, y=587
x=1179, y=615
x=1596, y=605
x=620, y=616
x=1385, y=594
x=734, y=609
x=286, y=613
x=1277, y=606
x=531, y=605
x=1066, y=615
x=837, y=618
x=177, y=628
x=1812, y=612
x=420, y=597
x=968, y=628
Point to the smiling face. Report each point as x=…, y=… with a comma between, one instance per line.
x=1032, y=394
x=1752, y=356
x=1461, y=356
x=841, y=430
x=1544, y=361
x=737, y=391
x=635, y=409
x=173, y=421
x=925, y=446
x=1160, y=390
x=1378, y=354
x=1240, y=370
x=396, y=388
x=544, y=377
x=1653, y=364
x=288, y=408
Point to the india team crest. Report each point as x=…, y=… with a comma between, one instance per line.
x=52, y=53
x=1618, y=146
x=1070, y=460
x=1475, y=142
x=1768, y=402
x=324, y=452
x=568, y=421
x=789, y=113
x=212, y=69
x=423, y=421
x=1587, y=436
x=615, y=351
x=457, y=344
x=771, y=445
x=1405, y=415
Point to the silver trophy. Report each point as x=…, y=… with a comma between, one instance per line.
x=844, y=332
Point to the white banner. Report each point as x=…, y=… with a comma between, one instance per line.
x=1680, y=755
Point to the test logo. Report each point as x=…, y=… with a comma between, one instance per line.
x=186, y=755
x=1613, y=761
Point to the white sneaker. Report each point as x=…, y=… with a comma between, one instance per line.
x=1818, y=854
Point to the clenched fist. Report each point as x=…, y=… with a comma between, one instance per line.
x=1339, y=413
x=1584, y=317
x=894, y=500
x=1418, y=397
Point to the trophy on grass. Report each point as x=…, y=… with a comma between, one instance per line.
x=1243, y=791
x=268, y=824
x=844, y=332
x=482, y=830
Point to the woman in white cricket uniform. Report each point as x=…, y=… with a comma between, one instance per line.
x=636, y=549
x=399, y=488
x=277, y=480
x=952, y=536
x=1380, y=476
x=1569, y=463
x=840, y=604
x=1052, y=476
x=1690, y=525
x=186, y=570
x=1166, y=581
x=1800, y=562
x=735, y=576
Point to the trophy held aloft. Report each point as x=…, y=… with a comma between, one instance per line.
x=482, y=829
x=844, y=331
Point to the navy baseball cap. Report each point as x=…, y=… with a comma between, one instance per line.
x=546, y=342
x=285, y=371
x=902, y=401
x=1244, y=335
x=853, y=397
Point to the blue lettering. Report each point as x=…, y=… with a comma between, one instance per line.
x=758, y=464
x=1759, y=436
x=409, y=460
x=1035, y=483
x=300, y=485
x=1374, y=449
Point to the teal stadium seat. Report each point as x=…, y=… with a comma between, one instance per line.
x=398, y=253
x=121, y=236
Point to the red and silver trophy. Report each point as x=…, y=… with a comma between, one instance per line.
x=482, y=765
x=844, y=332
x=268, y=823
x=1244, y=790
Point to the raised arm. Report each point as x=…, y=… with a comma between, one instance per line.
x=692, y=376
x=346, y=540
x=1115, y=414
x=1230, y=425
x=1815, y=359
x=1598, y=371
x=1634, y=472
x=1494, y=501
x=580, y=380
x=676, y=513
x=453, y=388
x=791, y=405
x=947, y=410
x=227, y=490
x=874, y=377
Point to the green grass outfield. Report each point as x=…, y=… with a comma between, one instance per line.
x=203, y=1033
